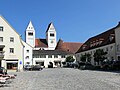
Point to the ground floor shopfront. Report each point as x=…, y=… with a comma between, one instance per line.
x=15, y=64
x=49, y=62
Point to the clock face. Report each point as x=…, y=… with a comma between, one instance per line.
x=52, y=41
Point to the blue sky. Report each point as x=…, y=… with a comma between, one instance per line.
x=74, y=20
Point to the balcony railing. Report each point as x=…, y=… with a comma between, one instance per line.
x=1, y=54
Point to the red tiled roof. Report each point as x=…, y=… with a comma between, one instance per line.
x=102, y=39
x=41, y=43
x=68, y=46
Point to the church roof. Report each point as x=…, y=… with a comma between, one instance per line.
x=30, y=26
x=41, y=43
x=71, y=47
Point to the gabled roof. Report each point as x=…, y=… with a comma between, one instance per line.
x=41, y=43
x=102, y=39
x=12, y=28
x=71, y=47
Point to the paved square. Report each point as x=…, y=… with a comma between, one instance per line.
x=64, y=79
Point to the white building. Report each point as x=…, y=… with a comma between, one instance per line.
x=11, y=47
x=28, y=59
x=47, y=50
x=107, y=41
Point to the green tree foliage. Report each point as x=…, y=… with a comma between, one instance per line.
x=83, y=58
x=99, y=56
x=86, y=57
x=70, y=59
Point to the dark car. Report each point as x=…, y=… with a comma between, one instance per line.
x=111, y=65
x=3, y=70
x=116, y=65
x=36, y=67
x=86, y=66
x=28, y=67
x=107, y=65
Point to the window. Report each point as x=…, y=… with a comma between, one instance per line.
x=42, y=56
x=27, y=62
x=40, y=63
x=111, y=47
x=56, y=56
x=63, y=56
x=106, y=48
x=11, y=39
x=118, y=57
x=49, y=56
x=11, y=50
x=52, y=34
x=27, y=51
x=30, y=33
x=27, y=57
x=1, y=29
x=1, y=39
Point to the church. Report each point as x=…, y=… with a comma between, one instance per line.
x=48, y=51
x=15, y=52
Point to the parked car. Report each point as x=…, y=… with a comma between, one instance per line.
x=116, y=65
x=111, y=65
x=86, y=66
x=3, y=70
x=36, y=67
x=28, y=67
x=107, y=65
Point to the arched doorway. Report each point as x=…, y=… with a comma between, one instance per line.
x=50, y=65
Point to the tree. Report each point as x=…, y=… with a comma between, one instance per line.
x=99, y=56
x=70, y=59
x=86, y=57
x=83, y=58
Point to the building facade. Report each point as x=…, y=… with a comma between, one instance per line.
x=107, y=41
x=11, y=47
x=15, y=53
x=28, y=54
x=48, y=50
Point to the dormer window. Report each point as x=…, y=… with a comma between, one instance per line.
x=101, y=40
x=111, y=37
x=94, y=43
x=91, y=44
x=84, y=46
x=97, y=42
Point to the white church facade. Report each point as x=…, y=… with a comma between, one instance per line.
x=46, y=51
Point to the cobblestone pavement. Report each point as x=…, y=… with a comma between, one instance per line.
x=64, y=79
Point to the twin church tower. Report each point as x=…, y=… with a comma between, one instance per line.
x=50, y=39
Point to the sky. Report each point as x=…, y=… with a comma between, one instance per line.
x=74, y=20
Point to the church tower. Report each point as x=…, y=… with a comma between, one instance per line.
x=51, y=37
x=30, y=35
